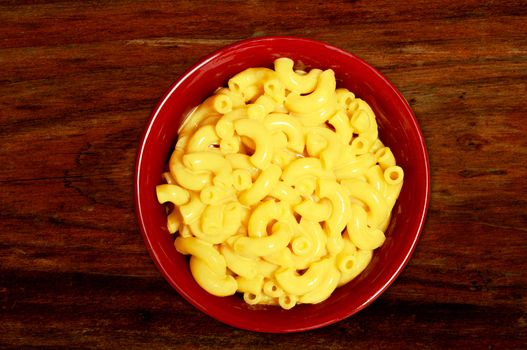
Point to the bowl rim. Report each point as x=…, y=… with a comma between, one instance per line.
x=187, y=74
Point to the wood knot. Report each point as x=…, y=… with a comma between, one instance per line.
x=104, y=170
x=145, y=315
x=471, y=142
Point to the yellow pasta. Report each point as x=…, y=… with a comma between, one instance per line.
x=322, y=95
x=295, y=284
x=314, y=210
x=293, y=81
x=186, y=178
x=341, y=123
x=333, y=146
x=324, y=290
x=290, y=126
x=262, y=186
x=260, y=135
x=279, y=188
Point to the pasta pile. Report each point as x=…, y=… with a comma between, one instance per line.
x=280, y=187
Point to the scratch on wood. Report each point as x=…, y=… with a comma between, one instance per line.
x=175, y=42
x=469, y=173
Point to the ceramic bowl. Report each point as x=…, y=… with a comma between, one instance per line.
x=398, y=129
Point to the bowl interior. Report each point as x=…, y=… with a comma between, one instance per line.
x=398, y=130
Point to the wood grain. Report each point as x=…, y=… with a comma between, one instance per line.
x=77, y=84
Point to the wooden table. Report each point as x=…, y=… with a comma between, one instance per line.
x=78, y=80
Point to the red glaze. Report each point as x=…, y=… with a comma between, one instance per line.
x=398, y=130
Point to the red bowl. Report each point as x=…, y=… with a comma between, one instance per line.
x=398, y=129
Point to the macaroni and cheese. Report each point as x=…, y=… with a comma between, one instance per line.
x=280, y=187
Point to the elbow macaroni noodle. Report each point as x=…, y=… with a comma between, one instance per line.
x=279, y=187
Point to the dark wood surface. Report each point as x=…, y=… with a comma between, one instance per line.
x=78, y=80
